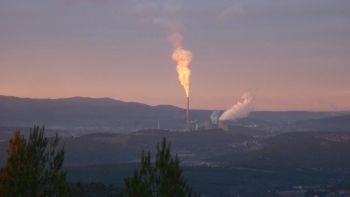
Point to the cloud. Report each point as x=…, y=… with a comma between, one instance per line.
x=163, y=14
x=233, y=10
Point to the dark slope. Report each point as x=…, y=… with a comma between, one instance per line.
x=193, y=147
x=315, y=151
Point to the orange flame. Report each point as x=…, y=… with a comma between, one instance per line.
x=183, y=58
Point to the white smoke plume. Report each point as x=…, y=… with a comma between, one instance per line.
x=239, y=110
x=214, y=117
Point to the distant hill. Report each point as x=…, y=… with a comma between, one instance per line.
x=289, y=116
x=109, y=114
x=334, y=123
x=80, y=112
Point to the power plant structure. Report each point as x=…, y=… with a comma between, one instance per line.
x=188, y=123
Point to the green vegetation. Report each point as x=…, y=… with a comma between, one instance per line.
x=34, y=169
x=33, y=166
x=163, y=179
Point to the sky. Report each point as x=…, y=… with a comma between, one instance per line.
x=291, y=55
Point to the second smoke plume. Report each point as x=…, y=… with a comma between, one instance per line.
x=239, y=110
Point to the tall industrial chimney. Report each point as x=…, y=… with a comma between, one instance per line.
x=188, y=124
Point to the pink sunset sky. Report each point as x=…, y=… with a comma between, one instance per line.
x=292, y=55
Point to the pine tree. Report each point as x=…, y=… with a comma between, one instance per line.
x=33, y=166
x=162, y=179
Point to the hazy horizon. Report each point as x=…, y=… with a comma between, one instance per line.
x=292, y=55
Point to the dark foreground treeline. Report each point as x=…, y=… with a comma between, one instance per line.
x=34, y=168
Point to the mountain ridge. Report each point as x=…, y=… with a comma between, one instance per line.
x=87, y=112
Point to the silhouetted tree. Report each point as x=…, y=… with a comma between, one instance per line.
x=33, y=166
x=162, y=179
